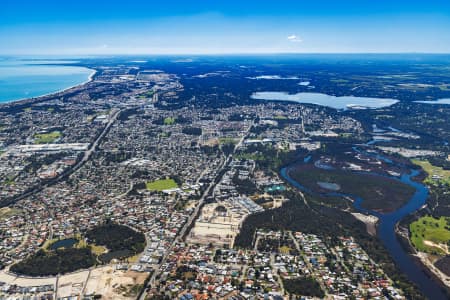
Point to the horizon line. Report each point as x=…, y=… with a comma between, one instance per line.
x=224, y=54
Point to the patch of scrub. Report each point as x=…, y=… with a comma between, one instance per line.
x=169, y=121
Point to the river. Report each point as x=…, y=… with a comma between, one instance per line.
x=386, y=230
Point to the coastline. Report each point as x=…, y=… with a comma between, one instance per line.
x=37, y=98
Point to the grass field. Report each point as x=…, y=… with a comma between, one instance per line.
x=169, y=121
x=45, y=138
x=431, y=235
x=433, y=170
x=98, y=250
x=162, y=184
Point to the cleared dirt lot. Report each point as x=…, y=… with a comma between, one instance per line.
x=72, y=284
x=114, y=284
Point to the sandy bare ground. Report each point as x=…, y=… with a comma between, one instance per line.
x=369, y=220
x=105, y=281
x=443, y=247
x=72, y=284
x=113, y=284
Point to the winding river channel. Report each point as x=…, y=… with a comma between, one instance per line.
x=387, y=224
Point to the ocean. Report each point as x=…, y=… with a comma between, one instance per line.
x=25, y=78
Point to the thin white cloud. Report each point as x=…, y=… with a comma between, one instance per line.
x=293, y=38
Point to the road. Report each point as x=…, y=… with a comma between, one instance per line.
x=194, y=215
x=309, y=265
x=183, y=230
x=87, y=155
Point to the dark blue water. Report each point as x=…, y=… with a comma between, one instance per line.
x=386, y=230
x=66, y=243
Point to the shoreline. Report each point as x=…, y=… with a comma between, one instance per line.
x=419, y=275
x=24, y=100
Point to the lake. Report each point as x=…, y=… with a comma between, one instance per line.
x=343, y=102
x=66, y=243
x=21, y=79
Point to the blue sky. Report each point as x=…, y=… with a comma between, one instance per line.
x=215, y=27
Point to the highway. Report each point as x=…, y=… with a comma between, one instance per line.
x=194, y=215
x=87, y=155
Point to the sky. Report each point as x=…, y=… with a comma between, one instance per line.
x=90, y=27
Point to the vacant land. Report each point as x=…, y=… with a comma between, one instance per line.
x=439, y=173
x=45, y=138
x=303, y=286
x=378, y=193
x=431, y=235
x=161, y=185
x=6, y=212
x=115, y=284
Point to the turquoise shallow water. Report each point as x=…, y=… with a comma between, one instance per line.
x=21, y=79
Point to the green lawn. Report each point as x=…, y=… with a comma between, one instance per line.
x=428, y=229
x=433, y=170
x=162, y=184
x=45, y=138
x=169, y=121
